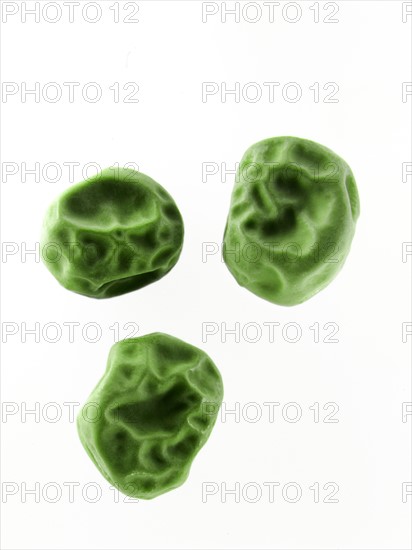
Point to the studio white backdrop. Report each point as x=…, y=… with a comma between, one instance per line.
x=312, y=447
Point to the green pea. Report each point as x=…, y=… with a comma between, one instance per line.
x=292, y=219
x=150, y=414
x=111, y=234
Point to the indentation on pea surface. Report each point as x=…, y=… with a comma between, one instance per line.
x=163, y=256
x=256, y=194
x=164, y=234
x=146, y=239
x=200, y=422
x=156, y=457
x=159, y=414
x=288, y=181
x=63, y=235
x=239, y=209
x=145, y=484
x=284, y=223
x=185, y=447
x=127, y=371
x=170, y=354
x=171, y=212
x=250, y=224
x=120, y=446
x=108, y=202
x=120, y=438
x=126, y=257
x=94, y=248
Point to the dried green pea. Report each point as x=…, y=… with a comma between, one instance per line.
x=150, y=414
x=292, y=219
x=111, y=234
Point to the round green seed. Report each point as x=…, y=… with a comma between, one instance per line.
x=112, y=234
x=150, y=414
x=292, y=219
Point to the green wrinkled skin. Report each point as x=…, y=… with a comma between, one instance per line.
x=292, y=219
x=157, y=404
x=112, y=234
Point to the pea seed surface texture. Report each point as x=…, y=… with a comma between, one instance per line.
x=157, y=404
x=292, y=218
x=112, y=234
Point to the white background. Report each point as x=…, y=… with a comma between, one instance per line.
x=169, y=133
